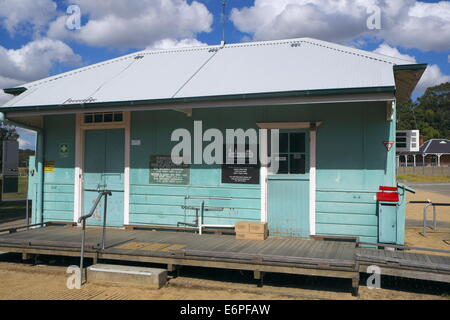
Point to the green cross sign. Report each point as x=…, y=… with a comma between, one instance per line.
x=63, y=150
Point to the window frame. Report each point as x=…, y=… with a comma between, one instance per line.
x=289, y=153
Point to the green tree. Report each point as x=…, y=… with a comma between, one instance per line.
x=430, y=113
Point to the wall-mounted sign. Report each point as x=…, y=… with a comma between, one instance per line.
x=49, y=166
x=247, y=173
x=389, y=145
x=135, y=142
x=63, y=150
x=240, y=173
x=164, y=171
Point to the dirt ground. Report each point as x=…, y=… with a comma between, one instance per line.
x=26, y=281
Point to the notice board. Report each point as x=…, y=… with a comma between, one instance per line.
x=164, y=171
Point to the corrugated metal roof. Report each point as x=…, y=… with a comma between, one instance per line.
x=245, y=68
x=435, y=146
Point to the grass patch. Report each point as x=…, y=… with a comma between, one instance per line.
x=424, y=178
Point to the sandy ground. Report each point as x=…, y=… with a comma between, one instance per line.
x=26, y=282
x=30, y=282
x=415, y=211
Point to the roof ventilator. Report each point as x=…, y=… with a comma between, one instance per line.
x=138, y=57
x=296, y=44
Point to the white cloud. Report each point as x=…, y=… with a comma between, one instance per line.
x=31, y=62
x=35, y=59
x=173, y=43
x=27, y=138
x=135, y=23
x=24, y=144
x=432, y=76
x=406, y=23
x=26, y=15
x=387, y=50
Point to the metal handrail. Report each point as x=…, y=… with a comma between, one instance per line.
x=434, y=205
x=83, y=219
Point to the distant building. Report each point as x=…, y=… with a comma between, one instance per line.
x=434, y=152
x=407, y=140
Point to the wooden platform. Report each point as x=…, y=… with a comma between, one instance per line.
x=335, y=259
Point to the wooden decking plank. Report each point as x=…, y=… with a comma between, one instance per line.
x=326, y=249
x=34, y=234
x=348, y=252
x=332, y=250
x=284, y=249
x=439, y=259
x=299, y=244
x=291, y=246
x=272, y=247
x=319, y=245
x=254, y=246
x=338, y=253
x=310, y=247
x=277, y=247
x=225, y=244
x=213, y=245
x=240, y=245
x=241, y=251
x=300, y=248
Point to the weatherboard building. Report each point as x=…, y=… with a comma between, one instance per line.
x=110, y=125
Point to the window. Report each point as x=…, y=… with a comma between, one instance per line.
x=292, y=153
x=103, y=117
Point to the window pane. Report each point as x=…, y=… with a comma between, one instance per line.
x=108, y=117
x=297, y=142
x=98, y=117
x=118, y=117
x=284, y=140
x=297, y=163
x=283, y=164
x=88, y=118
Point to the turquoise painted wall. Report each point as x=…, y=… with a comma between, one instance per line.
x=59, y=185
x=162, y=204
x=351, y=163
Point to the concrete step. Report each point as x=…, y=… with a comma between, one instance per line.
x=147, y=277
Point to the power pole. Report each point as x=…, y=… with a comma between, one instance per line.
x=224, y=5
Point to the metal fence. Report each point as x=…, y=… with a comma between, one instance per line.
x=430, y=170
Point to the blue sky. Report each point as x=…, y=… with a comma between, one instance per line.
x=35, y=40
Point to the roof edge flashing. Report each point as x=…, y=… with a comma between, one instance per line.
x=415, y=66
x=212, y=99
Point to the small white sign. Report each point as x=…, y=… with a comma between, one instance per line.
x=135, y=142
